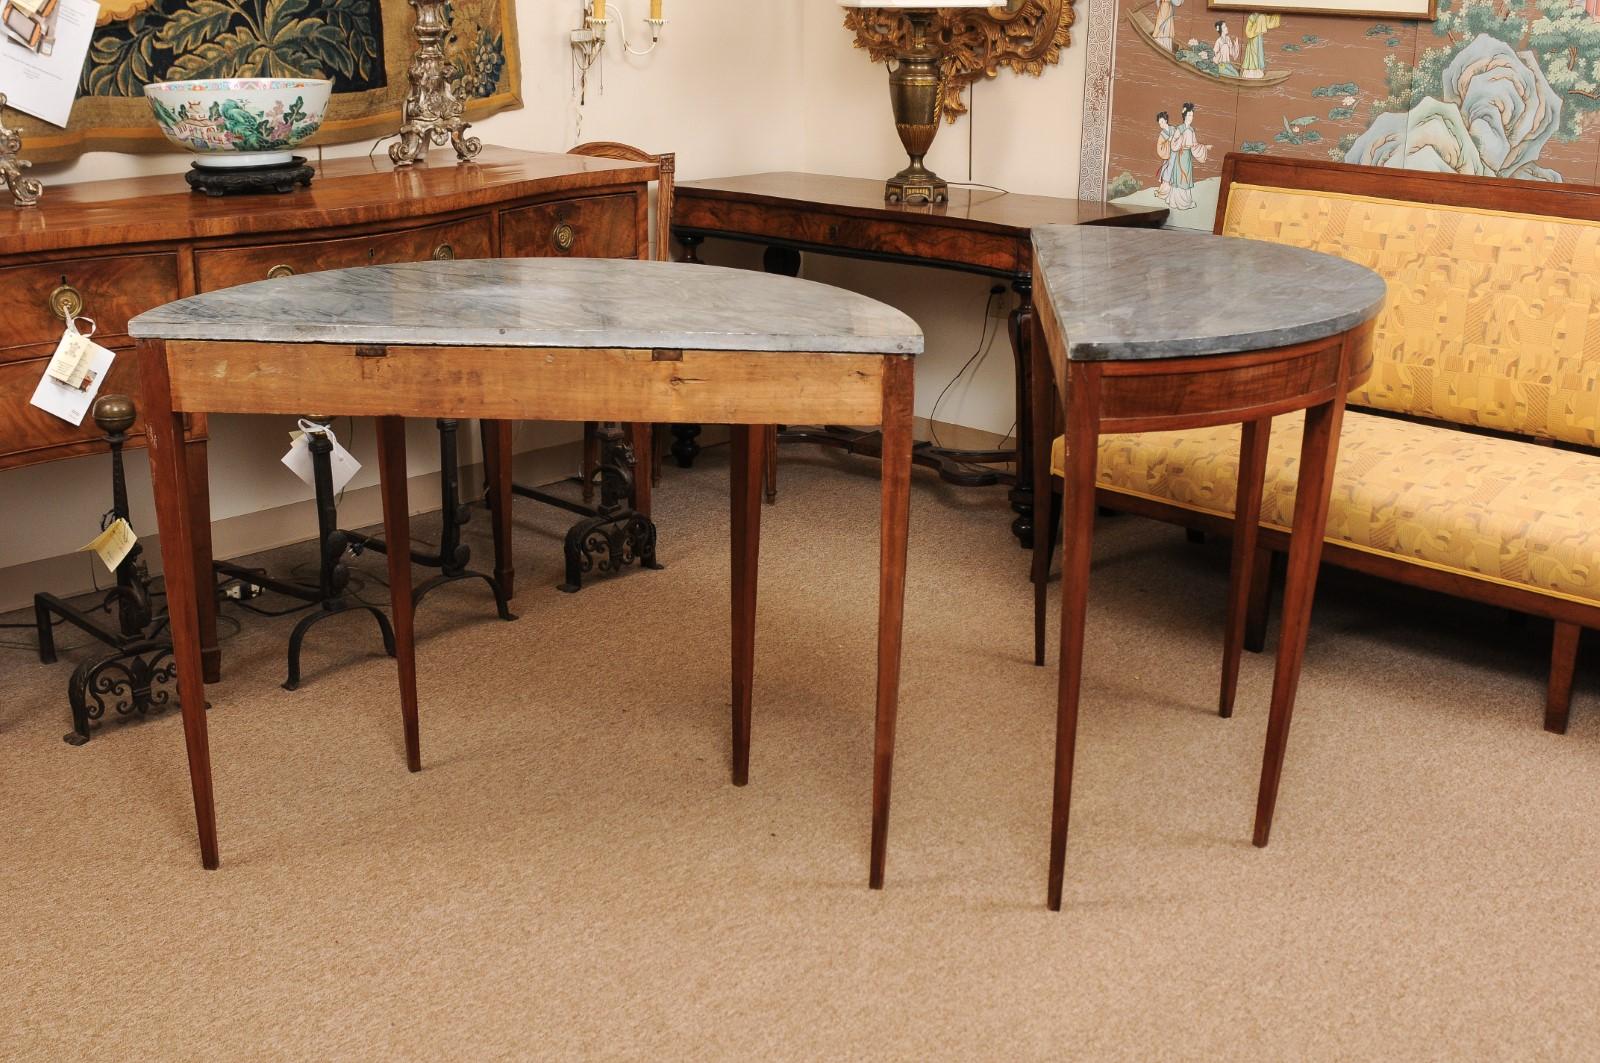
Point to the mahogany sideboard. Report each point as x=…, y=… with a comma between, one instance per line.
x=984, y=231
x=110, y=250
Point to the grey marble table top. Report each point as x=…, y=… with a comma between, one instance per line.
x=1147, y=293
x=542, y=302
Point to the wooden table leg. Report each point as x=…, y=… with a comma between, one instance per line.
x=642, y=437
x=1042, y=422
x=745, y=540
x=1246, y=531
x=204, y=580
x=1318, y=452
x=894, y=525
x=1077, y=532
x=397, y=529
x=771, y=462
x=497, y=474
x=169, y=476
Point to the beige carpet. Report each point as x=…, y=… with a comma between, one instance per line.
x=573, y=876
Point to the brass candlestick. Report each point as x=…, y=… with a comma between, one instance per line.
x=915, y=94
x=25, y=191
x=432, y=113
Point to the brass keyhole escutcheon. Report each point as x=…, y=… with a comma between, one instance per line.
x=564, y=236
x=65, y=301
x=282, y=269
x=444, y=253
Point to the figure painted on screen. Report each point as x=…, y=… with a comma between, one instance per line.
x=1179, y=148
x=1256, y=26
x=1225, y=53
x=1166, y=12
x=1164, y=131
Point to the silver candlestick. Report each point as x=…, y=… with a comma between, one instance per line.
x=432, y=113
x=25, y=191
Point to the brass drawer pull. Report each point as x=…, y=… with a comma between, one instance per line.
x=444, y=253
x=564, y=237
x=65, y=301
x=282, y=269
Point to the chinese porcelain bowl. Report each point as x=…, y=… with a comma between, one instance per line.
x=239, y=122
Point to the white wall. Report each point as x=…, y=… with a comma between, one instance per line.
x=736, y=87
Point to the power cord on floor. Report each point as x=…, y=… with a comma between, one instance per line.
x=985, y=342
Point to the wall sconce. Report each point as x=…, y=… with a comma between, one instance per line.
x=590, y=42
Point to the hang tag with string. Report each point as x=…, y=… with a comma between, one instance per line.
x=74, y=374
x=112, y=544
x=341, y=463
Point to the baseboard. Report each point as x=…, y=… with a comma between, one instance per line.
x=959, y=436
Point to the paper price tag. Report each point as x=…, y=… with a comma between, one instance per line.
x=70, y=363
x=113, y=544
x=71, y=402
x=342, y=464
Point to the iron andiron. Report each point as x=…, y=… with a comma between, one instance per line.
x=138, y=676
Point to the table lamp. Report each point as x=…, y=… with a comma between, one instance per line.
x=914, y=92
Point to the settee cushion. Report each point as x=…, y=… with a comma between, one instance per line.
x=1493, y=318
x=1512, y=512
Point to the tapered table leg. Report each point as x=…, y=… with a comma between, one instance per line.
x=497, y=472
x=1318, y=452
x=1246, y=531
x=894, y=525
x=169, y=475
x=745, y=541
x=642, y=437
x=772, y=463
x=397, y=529
x=1042, y=422
x=204, y=579
x=1077, y=532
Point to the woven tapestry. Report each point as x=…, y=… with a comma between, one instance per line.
x=364, y=46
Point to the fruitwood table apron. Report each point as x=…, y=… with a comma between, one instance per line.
x=535, y=339
x=1147, y=331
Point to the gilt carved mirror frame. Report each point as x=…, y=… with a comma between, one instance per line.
x=978, y=43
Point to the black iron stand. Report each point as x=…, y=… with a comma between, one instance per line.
x=138, y=676
x=333, y=576
x=454, y=555
x=613, y=534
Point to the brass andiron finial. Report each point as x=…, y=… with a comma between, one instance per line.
x=432, y=112
x=25, y=191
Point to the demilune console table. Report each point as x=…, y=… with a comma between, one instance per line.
x=641, y=342
x=983, y=231
x=1151, y=332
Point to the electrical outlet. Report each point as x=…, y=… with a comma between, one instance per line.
x=241, y=591
x=999, y=304
x=583, y=36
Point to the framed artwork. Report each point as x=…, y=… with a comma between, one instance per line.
x=1397, y=9
x=1493, y=88
x=363, y=46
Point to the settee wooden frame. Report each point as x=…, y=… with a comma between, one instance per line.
x=1569, y=614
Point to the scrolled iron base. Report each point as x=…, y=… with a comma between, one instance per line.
x=606, y=545
x=139, y=679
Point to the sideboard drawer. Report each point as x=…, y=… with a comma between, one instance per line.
x=108, y=290
x=223, y=268
x=594, y=227
x=28, y=434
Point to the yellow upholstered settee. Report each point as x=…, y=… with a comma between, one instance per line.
x=1467, y=464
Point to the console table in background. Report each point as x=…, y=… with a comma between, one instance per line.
x=110, y=250
x=986, y=232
